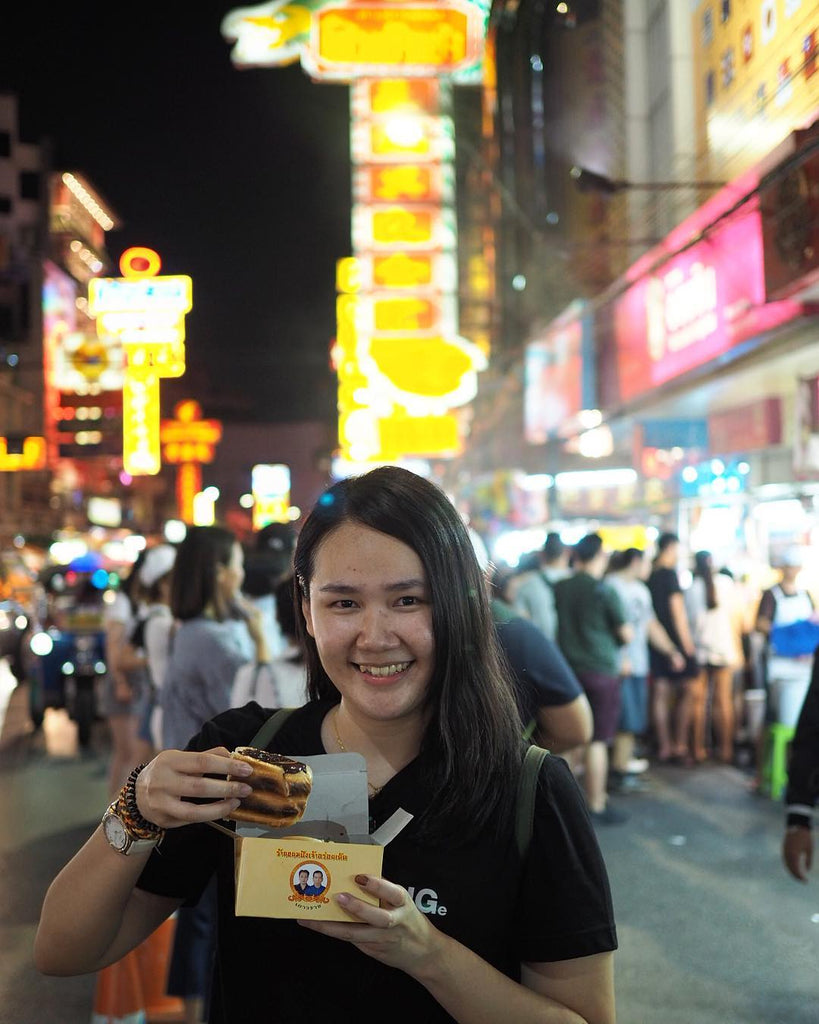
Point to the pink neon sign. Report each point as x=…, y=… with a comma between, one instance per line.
x=685, y=310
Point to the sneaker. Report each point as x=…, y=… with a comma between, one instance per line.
x=626, y=782
x=609, y=816
x=637, y=765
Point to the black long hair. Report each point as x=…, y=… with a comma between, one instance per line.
x=471, y=748
x=193, y=586
x=704, y=569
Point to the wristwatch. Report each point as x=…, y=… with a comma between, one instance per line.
x=120, y=839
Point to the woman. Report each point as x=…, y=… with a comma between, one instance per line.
x=283, y=682
x=218, y=632
x=713, y=615
x=156, y=576
x=404, y=670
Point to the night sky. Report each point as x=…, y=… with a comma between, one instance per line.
x=239, y=178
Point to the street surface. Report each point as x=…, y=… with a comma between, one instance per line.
x=712, y=931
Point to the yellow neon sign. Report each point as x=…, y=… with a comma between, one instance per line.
x=140, y=426
x=33, y=455
x=402, y=271
x=431, y=36
x=398, y=225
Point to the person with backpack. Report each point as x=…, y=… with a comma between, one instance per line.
x=403, y=669
x=534, y=596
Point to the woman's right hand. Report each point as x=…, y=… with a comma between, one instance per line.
x=174, y=774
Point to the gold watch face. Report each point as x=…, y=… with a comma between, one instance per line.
x=115, y=832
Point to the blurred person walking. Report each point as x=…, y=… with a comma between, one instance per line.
x=553, y=708
x=714, y=615
x=267, y=563
x=674, y=687
x=281, y=682
x=158, y=627
x=218, y=631
x=534, y=596
x=592, y=627
x=126, y=696
x=626, y=574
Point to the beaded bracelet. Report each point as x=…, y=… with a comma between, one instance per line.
x=128, y=811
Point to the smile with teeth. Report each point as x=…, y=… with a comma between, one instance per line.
x=385, y=670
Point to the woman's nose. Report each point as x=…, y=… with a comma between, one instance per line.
x=376, y=631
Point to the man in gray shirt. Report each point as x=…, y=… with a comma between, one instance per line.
x=626, y=574
x=534, y=594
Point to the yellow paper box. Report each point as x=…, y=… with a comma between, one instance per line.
x=331, y=840
x=268, y=874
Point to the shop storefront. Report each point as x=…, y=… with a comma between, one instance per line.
x=706, y=363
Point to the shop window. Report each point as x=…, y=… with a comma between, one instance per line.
x=725, y=10
x=5, y=204
x=710, y=88
x=5, y=144
x=707, y=26
x=29, y=185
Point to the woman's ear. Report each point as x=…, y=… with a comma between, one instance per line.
x=308, y=618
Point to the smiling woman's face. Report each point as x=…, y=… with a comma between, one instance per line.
x=370, y=614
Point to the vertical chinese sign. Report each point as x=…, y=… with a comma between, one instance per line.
x=404, y=371
x=146, y=313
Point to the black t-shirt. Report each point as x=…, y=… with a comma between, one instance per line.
x=555, y=907
x=543, y=676
x=663, y=583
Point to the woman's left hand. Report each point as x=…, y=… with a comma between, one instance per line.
x=396, y=932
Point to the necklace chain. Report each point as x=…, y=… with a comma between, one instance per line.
x=374, y=790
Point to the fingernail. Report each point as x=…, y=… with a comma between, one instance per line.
x=362, y=879
x=234, y=804
x=241, y=768
x=343, y=898
x=244, y=790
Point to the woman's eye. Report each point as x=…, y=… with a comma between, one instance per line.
x=408, y=601
x=344, y=603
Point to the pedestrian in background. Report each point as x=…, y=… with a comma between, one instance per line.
x=267, y=563
x=553, y=708
x=674, y=687
x=591, y=629
x=784, y=619
x=715, y=619
x=218, y=631
x=126, y=692
x=281, y=682
x=534, y=596
x=626, y=574
x=155, y=576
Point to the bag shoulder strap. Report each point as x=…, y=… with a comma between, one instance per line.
x=270, y=728
x=527, y=791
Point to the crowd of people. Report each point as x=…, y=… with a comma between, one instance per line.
x=672, y=675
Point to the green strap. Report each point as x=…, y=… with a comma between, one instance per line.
x=270, y=728
x=527, y=791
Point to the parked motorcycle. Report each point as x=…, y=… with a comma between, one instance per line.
x=64, y=673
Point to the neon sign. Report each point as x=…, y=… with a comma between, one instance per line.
x=145, y=312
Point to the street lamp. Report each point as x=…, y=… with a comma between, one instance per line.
x=591, y=181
